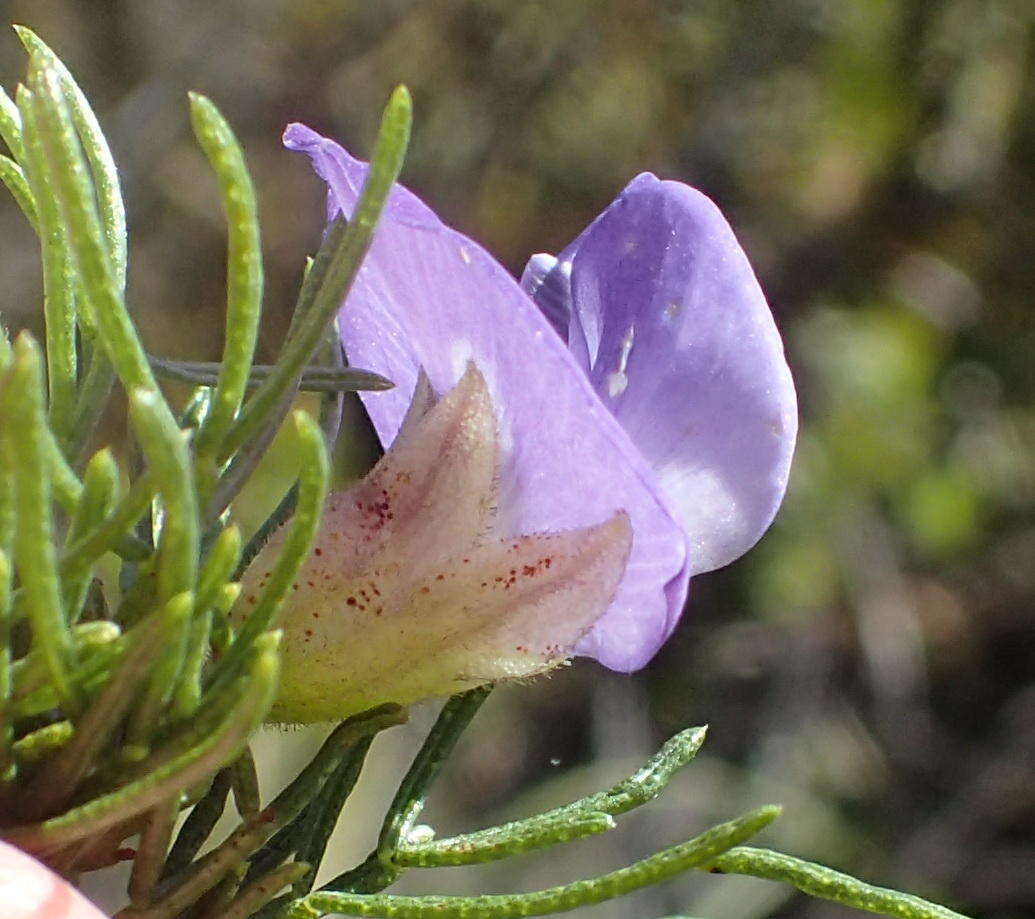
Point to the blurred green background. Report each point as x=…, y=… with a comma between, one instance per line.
x=872, y=663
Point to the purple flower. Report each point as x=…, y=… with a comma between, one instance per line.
x=665, y=396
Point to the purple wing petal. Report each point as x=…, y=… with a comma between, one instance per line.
x=683, y=349
x=429, y=296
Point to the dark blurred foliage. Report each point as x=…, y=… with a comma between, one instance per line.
x=872, y=663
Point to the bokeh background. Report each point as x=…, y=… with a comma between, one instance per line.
x=872, y=663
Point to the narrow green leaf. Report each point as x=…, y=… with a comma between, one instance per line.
x=526, y=836
x=263, y=889
x=11, y=126
x=21, y=406
x=94, y=391
x=98, y=494
x=198, y=826
x=97, y=645
x=313, y=481
x=12, y=175
x=100, y=281
x=700, y=850
x=165, y=673
x=313, y=379
x=98, y=154
x=244, y=783
x=109, y=534
x=220, y=565
x=583, y=817
x=326, y=286
x=39, y=745
x=828, y=884
x=166, y=452
x=408, y=803
x=7, y=751
x=322, y=815
x=187, y=694
x=218, y=747
x=244, y=276
x=59, y=307
x=55, y=785
x=254, y=832
x=151, y=849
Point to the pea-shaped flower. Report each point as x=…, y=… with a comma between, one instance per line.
x=666, y=396
x=411, y=590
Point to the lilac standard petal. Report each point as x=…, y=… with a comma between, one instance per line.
x=429, y=297
x=681, y=346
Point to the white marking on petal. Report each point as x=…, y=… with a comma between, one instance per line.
x=465, y=255
x=619, y=380
x=616, y=384
x=460, y=354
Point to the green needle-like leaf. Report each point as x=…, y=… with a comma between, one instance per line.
x=97, y=646
x=109, y=535
x=220, y=565
x=100, y=280
x=13, y=176
x=409, y=800
x=668, y=863
x=219, y=746
x=327, y=285
x=11, y=127
x=99, y=491
x=93, y=392
x=55, y=785
x=380, y=868
x=252, y=833
x=59, y=307
x=151, y=849
x=7, y=751
x=21, y=406
x=262, y=890
x=244, y=270
x=166, y=452
x=98, y=154
x=828, y=884
x=583, y=817
x=198, y=826
x=313, y=379
x=39, y=745
x=244, y=784
x=322, y=815
x=313, y=483
x=165, y=673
